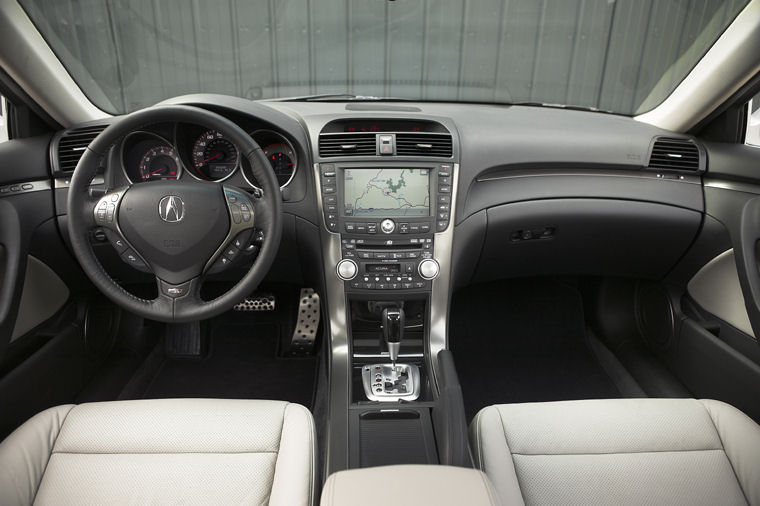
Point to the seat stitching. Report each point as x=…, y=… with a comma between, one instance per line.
x=52, y=452
x=709, y=415
x=166, y=453
x=511, y=456
x=616, y=453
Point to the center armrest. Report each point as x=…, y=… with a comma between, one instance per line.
x=411, y=485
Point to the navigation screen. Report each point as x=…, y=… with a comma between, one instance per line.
x=386, y=192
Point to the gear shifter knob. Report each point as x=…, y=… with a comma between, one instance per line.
x=393, y=330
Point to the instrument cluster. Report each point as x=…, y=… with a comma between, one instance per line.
x=191, y=151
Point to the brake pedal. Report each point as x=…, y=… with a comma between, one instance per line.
x=307, y=323
x=257, y=302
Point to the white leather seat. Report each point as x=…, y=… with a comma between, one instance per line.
x=168, y=451
x=623, y=451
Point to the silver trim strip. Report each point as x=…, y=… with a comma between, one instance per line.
x=338, y=400
x=437, y=335
x=733, y=186
x=684, y=178
x=384, y=354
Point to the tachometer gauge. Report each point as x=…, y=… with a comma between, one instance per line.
x=215, y=158
x=159, y=162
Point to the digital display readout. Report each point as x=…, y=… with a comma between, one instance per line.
x=386, y=192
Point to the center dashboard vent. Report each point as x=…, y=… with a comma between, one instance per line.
x=423, y=144
x=676, y=154
x=71, y=146
x=347, y=144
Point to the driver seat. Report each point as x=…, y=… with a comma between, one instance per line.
x=163, y=451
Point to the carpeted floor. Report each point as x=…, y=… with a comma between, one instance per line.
x=523, y=341
x=242, y=363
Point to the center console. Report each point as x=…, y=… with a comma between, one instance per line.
x=387, y=233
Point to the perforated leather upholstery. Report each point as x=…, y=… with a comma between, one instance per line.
x=623, y=451
x=169, y=451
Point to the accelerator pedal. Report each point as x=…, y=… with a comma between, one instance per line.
x=257, y=302
x=307, y=323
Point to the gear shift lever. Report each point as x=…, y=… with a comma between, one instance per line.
x=393, y=331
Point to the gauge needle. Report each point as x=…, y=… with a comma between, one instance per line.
x=209, y=159
x=157, y=171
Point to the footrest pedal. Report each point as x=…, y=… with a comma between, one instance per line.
x=256, y=302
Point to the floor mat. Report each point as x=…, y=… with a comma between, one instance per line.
x=523, y=341
x=242, y=363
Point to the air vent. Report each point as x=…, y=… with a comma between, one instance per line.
x=347, y=145
x=675, y=154
x=72, y=144
x=424, y=144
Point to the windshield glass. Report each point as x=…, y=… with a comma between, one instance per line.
x=623, y=56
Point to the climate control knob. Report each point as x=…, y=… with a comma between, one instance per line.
x=429, y=269
x=347, y=269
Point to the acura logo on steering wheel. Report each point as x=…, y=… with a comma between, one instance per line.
x=171, y=209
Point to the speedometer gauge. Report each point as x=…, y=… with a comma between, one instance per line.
x=159, y=162
x=214, y=157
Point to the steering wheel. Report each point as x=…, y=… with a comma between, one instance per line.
x=178, y=230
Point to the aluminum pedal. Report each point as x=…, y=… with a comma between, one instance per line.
x=257, y=302
x=307, y=323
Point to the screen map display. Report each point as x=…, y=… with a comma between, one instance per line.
x=386, y=192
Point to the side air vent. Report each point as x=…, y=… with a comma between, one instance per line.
x=347, y=145
x=71, y=146
x=427, y=144
x=675, y=154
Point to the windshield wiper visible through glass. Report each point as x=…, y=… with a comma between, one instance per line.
x=562, y=106
x=343, y=97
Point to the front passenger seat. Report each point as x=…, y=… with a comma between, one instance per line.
x=622, y=451
x=166, y=451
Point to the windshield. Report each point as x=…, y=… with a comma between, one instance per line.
x=623, y=56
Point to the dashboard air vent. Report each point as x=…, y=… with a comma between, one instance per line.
x=347, y=144
x=72, y=144
x=423, y=144
x=675, y=154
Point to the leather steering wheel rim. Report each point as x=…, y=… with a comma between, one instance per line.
x=81, y=206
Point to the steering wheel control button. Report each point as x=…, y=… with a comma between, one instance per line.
x=116, y=241
x=347, y=270
x=231, y=252
x=429, y=269
x=387, y=226
x=130, y=257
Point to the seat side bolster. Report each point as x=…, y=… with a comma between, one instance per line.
x=25, y=455
x=294, y=473
x=740, y=437
x=493, y=455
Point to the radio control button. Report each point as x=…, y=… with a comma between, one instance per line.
x=387, y=226
x=403, y=228
x=371, y=228
x=350, y=227
x=424, y=228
